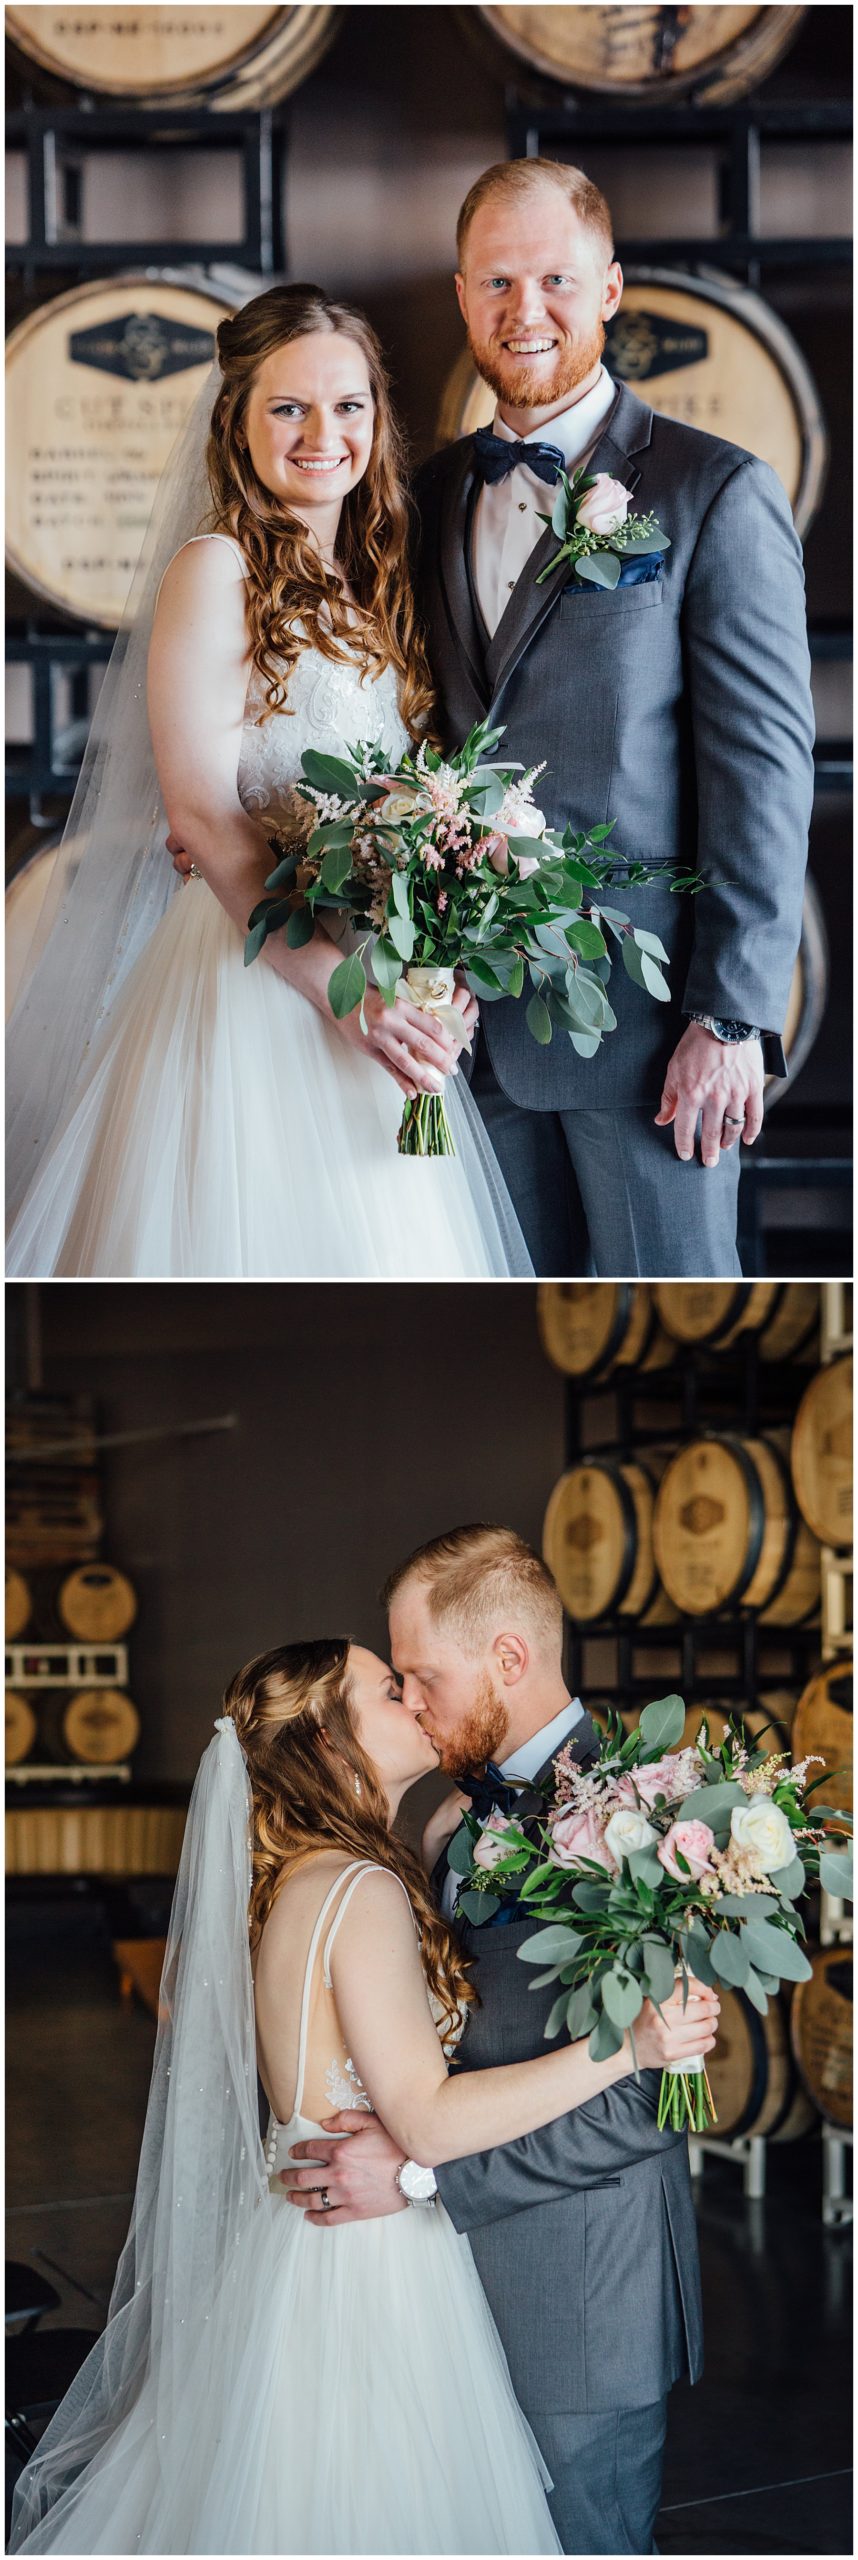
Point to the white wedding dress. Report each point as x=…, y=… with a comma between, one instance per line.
x=221, y=1128
x=370, y=2407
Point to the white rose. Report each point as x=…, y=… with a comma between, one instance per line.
x=517, y=815
x=763, y=1831
x=628, y=1831
x=398, y=807
x=605, y=506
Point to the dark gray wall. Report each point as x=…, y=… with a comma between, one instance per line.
x=367, y=1419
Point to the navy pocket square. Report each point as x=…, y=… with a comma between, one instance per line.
x=634, y=573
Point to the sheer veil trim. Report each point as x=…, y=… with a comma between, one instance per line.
x=202, y=2175
x=112, y=880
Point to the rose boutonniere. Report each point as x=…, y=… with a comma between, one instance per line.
x=591, y=519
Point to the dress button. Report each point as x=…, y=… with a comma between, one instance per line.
x=522, y=506
x=511, y=584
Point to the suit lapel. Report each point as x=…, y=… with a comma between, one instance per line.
x=455, y=534
x=626, y=432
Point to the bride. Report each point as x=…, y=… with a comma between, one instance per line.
x=265, y=2383
x=173, y=1115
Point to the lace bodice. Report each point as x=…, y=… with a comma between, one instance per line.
x=330, y=707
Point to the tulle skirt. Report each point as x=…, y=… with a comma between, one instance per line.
x=224, y=1130
x=369, y=2410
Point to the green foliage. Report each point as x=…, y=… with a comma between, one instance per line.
x=347, y=986
x=661, y=1724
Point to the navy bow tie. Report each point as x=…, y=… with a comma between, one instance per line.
x=494, y=457
x=490, y=1792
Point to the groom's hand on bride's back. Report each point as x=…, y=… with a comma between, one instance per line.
x=359, y=2175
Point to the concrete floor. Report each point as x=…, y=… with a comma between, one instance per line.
x=758, y=2455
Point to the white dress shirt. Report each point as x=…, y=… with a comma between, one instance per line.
x=524, y=1763
x=507, y=512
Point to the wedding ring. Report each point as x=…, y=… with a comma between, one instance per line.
x=730, y=1121
x=325, y=2205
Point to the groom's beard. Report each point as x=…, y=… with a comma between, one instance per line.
x=511, y=381
x=479, y=1737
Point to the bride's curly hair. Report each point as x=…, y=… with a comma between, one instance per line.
x=293, y=599
x=293, y=1715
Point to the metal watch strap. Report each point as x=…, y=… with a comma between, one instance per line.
x=723, y=1028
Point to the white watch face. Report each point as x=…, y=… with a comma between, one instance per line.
x=416, y=2183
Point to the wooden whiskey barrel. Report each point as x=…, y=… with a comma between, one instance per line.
x=97, y=1603
x=751, y=2070
x=713, y=1312
x=708, y=351
x=726, y=1535
x=822, y=2033
x=20, y=1727
x=19, y=1604
x=597, y=1540
x=645, y=55
x=823, y=1723
x=228, y=57
x=591, y=1327
x=99, y=382
x=822, y=1454
x=99, y=1727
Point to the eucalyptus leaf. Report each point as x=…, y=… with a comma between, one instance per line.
x=712, y=1804
x=336, y=866
x=586, y=1042
x=553, y=1945
x=556, y=2016
x=653, y=979
x=385, y=964
x=253, y=941
x=284, y=872
x=646, y=1867
x=580, y=2013
x=790, y=1880
x=478, y=1907
x=599, y=568
x=538, y=1020
x=835, y=1873
x=401, y=933
x=661, y=1724
x=605, y=2040
x=775, y=1951
x=300, y=929
x=753, y=1989
x=740, y=1906
x=347, y=985
x=622, y=1997
x=658, y=1968
x=698, y=1955
x=731, y=1960
x=460, y=1854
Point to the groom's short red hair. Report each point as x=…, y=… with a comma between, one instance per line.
x=519, y=178
x=479, y=1576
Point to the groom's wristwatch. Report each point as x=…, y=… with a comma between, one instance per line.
x=730, y=1032
x=416, y=2185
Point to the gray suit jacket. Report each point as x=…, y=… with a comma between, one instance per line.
x=680, y=708
x=584, y=2232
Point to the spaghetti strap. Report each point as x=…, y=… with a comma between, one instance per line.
x=331, y=1895
x=356, y=1873
x=208, y=537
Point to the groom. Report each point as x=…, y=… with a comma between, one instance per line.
x=676, y=704
x=583, y=2233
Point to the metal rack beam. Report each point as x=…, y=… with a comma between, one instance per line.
x=54, y=141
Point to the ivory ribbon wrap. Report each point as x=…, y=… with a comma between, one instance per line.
x=432, y=992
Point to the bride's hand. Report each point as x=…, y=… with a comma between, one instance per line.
x=412, y=1048
x=676, y=2033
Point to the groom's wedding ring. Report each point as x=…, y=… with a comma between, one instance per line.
x=325, y=2205
x=730, y=1121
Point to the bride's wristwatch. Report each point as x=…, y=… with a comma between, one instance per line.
x=416, y=2185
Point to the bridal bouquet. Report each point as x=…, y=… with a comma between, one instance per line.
x=659, y=1863
x=448, y=865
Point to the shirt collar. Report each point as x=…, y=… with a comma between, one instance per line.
x=531, y=1756
x=574, y=429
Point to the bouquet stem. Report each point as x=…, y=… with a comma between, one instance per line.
x=686, y=2104
x=424, y=1129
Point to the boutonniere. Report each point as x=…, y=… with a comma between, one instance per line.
x=591, y=519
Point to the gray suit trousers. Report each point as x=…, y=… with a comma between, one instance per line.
x=606, y=2470
x=604, y=1193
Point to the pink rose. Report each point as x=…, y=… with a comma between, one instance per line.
x=605, y=506
x=694, y=1840
x=579, y=1835
x=497, y=848
x=488, y=1850
x=659, y=1778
